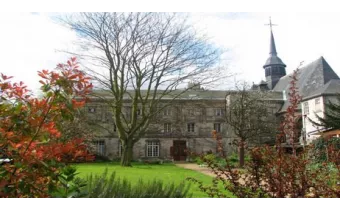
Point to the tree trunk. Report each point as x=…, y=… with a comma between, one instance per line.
x=241, y=154
x=127, y=156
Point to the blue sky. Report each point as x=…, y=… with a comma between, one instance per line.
x=30, y=41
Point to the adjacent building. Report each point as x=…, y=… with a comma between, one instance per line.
x=317, y=84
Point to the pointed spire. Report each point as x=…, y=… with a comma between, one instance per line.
x=272, y=50
x=273, y=58
x=274, y=67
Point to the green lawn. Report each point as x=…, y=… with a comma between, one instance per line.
x=166, y=172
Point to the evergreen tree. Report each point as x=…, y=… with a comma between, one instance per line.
x=331, y=117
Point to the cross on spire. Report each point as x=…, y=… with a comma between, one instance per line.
x=270, y=23
x=272, y=50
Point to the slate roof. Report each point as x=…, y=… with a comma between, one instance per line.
x=311, y=78
x=331, y=88
x=261, y=86
x=187, y=95
x=274, y=60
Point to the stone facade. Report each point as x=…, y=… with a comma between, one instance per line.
x=187, y=120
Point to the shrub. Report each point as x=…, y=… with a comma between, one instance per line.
x=199, y=160
x=233, y=157
x=152, y=161
x=234, y=160
x=192, y=157
x=320, y=152
x=30, y=133
x=221, y=162
x=101, y=158
x=168, y=161
x=210, y=157
x=104, y=186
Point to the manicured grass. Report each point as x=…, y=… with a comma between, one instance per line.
x=166, y=172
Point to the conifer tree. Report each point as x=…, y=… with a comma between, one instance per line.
x=331, y=117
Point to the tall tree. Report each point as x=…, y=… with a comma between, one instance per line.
x=139, y=59
x=248, y=117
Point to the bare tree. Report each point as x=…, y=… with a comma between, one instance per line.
x=249, y=116
x=143, y=58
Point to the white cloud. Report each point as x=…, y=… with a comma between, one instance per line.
x=298, y=36
x=28, y=42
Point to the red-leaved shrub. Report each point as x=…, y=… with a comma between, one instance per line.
x=29, y=130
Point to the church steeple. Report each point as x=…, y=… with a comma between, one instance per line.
x=274, y=67
x=272, y=51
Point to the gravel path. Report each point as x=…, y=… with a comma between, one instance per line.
x=203, y=170
x=195, y=167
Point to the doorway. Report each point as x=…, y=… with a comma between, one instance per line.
x=179, y=150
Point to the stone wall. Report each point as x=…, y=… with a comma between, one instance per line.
x=197, y=145
x=202, y=112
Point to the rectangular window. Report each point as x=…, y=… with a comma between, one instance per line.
x=167, y=127
x=100, y=147
x=217, y=127
x=317, y=105
x=167, y=112
x=152, y=149
x=218, y=112
x=91, y=110
x=191, y=127
x=306, y=108
x=191, y=112
x=139, y=112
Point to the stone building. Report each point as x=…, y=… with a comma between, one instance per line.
x=189, y=121
x=186, y=124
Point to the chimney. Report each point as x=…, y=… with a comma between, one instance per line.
x=194, y=86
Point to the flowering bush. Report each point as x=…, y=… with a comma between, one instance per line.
x=29, y=133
